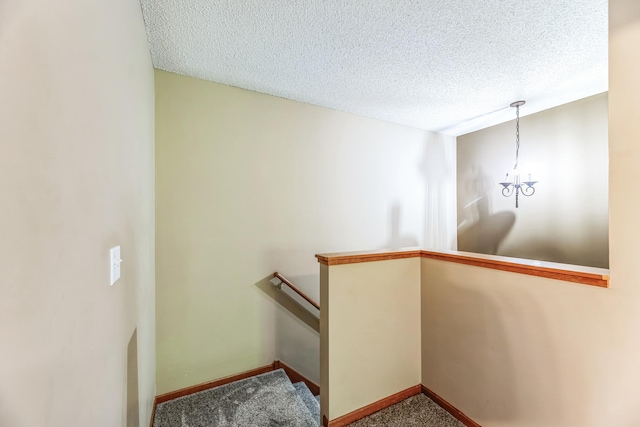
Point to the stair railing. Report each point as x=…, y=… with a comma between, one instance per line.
x=284, y=281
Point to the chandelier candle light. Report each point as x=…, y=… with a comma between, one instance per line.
x=515, y=185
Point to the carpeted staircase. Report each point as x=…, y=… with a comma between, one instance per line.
x=267, y=400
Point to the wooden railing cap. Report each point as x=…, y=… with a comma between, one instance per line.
x=552, y=270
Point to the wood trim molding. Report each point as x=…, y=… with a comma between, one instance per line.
x=575, y=276
x=374, y=407
x=215, y=383
x=357, y=257
x=449, y=408
x=296, y=377
x=153, y=411
x=583, y=275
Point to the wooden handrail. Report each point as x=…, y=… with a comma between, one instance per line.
x=296, y=290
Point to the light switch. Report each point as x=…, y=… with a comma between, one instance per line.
x=115, y=260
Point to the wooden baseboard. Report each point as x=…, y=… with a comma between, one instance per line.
x=374, y=407
x=296, y=377
x=450, y=408
x=153, y=412
x=211, y=384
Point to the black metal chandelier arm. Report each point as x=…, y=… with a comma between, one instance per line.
x=507, y=191
x=528, y=190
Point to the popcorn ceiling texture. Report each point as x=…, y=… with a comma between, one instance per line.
x=442, y=65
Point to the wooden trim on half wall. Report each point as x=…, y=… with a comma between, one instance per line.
x=374, y=407
x=215, y=383
x=512, y=265
x=449, y=408
x=550, y=270
x=357, y=257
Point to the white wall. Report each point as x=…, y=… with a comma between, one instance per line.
x=76, y=177
x=566, y=220
x=249, y=184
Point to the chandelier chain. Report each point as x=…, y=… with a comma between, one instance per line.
x=517, y=135
x=515, y=185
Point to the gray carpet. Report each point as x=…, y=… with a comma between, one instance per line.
x=312, y=402
x=270, y=400
x=267, y=400
x=415, y=411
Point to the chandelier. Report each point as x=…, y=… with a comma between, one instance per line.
x=515, y=185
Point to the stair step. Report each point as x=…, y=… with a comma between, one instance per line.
x=312, y=402
x=263, y=400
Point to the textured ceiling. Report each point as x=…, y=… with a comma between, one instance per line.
x=443, y=65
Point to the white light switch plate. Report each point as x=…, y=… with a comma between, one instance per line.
x=115, y=260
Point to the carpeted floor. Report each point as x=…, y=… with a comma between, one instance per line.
x=270, y=400
x=415, y=411
x=267, y=400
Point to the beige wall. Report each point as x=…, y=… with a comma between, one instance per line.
x=511, y=350
x=566, y=220
x=371, y=333
x=514, y=350
x=76, y=177
x=249, y=184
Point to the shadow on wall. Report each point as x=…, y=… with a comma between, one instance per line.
x=474, y=343
x=547, y=250
x=480, y=230
x=288, y=303
x=133, y=419
x=438, y=168
x=296, y=330
x=397, y=240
